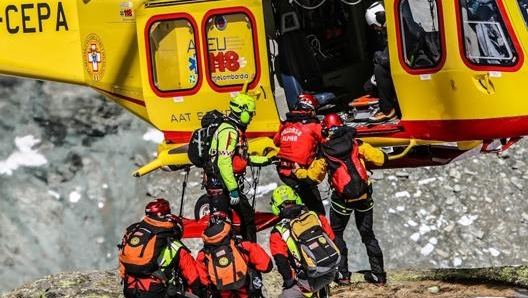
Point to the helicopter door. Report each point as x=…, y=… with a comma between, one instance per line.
x=196, y=55
x=467, y=71
x=492, y=55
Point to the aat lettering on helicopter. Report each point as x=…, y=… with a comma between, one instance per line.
x=457, y=66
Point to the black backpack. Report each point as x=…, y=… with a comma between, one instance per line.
x=318, y=254
x=201, y=138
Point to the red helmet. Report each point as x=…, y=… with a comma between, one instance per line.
x=306, y=102
x=331, y=120
x=178, y=224
x=158, y=207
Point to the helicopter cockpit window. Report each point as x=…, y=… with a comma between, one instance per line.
x=420, y=32
x=486, y=38
x=231, y=45
x=173, y=55
x=523, y=5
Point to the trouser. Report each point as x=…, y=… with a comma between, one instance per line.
x=340, y=215
x=307, y=190
x=387, y=94
x=244, y=210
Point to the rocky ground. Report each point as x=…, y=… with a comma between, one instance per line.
x=444, y=283
x=66, y=203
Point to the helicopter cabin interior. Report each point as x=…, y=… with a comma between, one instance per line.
x=321, y=47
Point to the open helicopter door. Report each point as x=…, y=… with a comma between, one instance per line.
x=197, y=54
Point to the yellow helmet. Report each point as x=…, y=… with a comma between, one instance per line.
x=281, y=194
x=244, y=106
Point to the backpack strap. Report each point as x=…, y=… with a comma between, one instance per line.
x=283, y=227
x=356, y=162
x=171, y=252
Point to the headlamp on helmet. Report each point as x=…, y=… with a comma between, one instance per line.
x=281, y=195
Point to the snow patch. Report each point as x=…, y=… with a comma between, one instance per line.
x=402, y=194
x=412, y=223
x=457, y=261
x=424, y=229
x=494, y=252
x=153, y=135
x=25, y=156
x=426, y=181
x=54, y=194
x=415, y=237
x=427, y=249
x=74, y=196
x=467, y=220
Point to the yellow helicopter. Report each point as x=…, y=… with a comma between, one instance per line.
x=457, y=66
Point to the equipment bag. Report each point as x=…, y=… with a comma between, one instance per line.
x=318, y=254
x=349, y=177
x=226, y=266
x=141, y=245
x=201, y=138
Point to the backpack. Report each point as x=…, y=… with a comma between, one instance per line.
x=349, y=178
x=318, y=253
x=201, y=138
x=141, y=245
x=226, y=266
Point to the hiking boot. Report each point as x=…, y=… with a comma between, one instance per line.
x=379, y=279
x=342, y=279
x=381, y=117
x=323, y=293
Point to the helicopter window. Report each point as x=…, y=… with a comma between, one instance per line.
x=486, y=38
x=231, y=46
x=173, y=55
x=420, y=32
x=523, y=5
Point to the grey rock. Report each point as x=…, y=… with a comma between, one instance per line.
x=69, y=214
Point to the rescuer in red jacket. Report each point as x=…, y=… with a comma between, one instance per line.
x=177, y=272
x=298, y=139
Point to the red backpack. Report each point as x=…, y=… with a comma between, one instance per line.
x=349, y=176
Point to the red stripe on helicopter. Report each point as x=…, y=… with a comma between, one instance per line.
x=450, y=130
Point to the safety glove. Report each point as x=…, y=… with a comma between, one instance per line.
x=234, y=197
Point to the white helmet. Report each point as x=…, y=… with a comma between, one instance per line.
x=375, y=14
